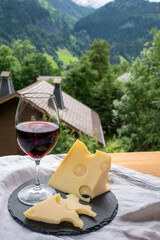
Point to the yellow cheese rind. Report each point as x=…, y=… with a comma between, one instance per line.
x=82, y=173
x=53, y=211
x=72, y=203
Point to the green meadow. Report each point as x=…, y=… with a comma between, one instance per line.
x=66, y=57
x=51, y=60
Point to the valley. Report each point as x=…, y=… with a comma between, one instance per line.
x=51, y=25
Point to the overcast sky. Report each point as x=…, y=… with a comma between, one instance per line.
x=97, y=3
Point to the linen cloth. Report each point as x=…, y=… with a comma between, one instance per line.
x=138, y=195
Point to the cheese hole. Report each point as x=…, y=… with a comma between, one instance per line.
x=79, y=170
x=104, y=166
x=85, y=191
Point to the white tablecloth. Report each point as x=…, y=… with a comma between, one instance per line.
x=138, y=195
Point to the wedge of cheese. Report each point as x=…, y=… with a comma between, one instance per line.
x=72, y=203
x=52, y=210
x=82, y=173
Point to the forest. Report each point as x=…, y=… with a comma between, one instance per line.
x=40, y=23
x=124, y=24
x=129, y=110
x=51, y=25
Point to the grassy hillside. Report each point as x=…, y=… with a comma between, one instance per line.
x=66, y=57
x=70, y=10
x=51, y=60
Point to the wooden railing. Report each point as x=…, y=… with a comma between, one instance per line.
x=144, y=162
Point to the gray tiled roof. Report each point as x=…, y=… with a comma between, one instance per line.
x=75, y=114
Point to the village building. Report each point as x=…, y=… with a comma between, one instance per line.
x=76, y=115
x=124, y=77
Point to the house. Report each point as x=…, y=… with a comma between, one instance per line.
x=46, y=78
x=76, y=115
x=124, y=77
x=8, y=104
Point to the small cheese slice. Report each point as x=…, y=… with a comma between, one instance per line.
x=72, y=203
x=53, y=211
x=82, y=173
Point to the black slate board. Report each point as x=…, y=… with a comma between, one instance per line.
x=105, y=205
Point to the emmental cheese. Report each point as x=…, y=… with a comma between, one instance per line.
x=82, y=173
x=72, y=203
x=52, y=210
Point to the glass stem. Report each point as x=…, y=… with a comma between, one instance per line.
x=37, y=181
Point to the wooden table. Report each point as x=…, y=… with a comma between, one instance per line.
x=144, y=162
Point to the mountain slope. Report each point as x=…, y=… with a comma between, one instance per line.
x=45, y=28
x=70, y=10
x=124, y=24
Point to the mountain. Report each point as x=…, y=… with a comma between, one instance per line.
x=45, y=27
x=72, y=11
x=124, y=24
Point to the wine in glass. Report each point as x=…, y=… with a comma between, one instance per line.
x=37, y=129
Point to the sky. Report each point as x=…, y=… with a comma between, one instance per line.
x=97, y=3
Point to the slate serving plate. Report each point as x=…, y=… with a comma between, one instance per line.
x=105, y=205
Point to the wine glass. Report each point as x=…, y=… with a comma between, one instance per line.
x=37, y=129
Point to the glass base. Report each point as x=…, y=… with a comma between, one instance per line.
x=33, y=194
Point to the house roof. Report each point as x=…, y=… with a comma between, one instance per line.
x=77, y=115
x=124, y=77
x=8, y=97
x=46, y=78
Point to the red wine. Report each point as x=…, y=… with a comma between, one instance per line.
x=37, y=138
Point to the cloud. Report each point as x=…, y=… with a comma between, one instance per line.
x=92, y=3
x=97, y=3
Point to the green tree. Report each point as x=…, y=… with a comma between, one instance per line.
x=92, y=82
x=24, y=64
x=22, y=48
x=139, y=108
x=124, y=64
x=104, y=94
x=29, y=74
x=67, y=137
x=10, y=63
x=42, y=65
x=7, y=60
x=99, y=57
x=79, y=81
x=57, y=72
x=35, y=65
